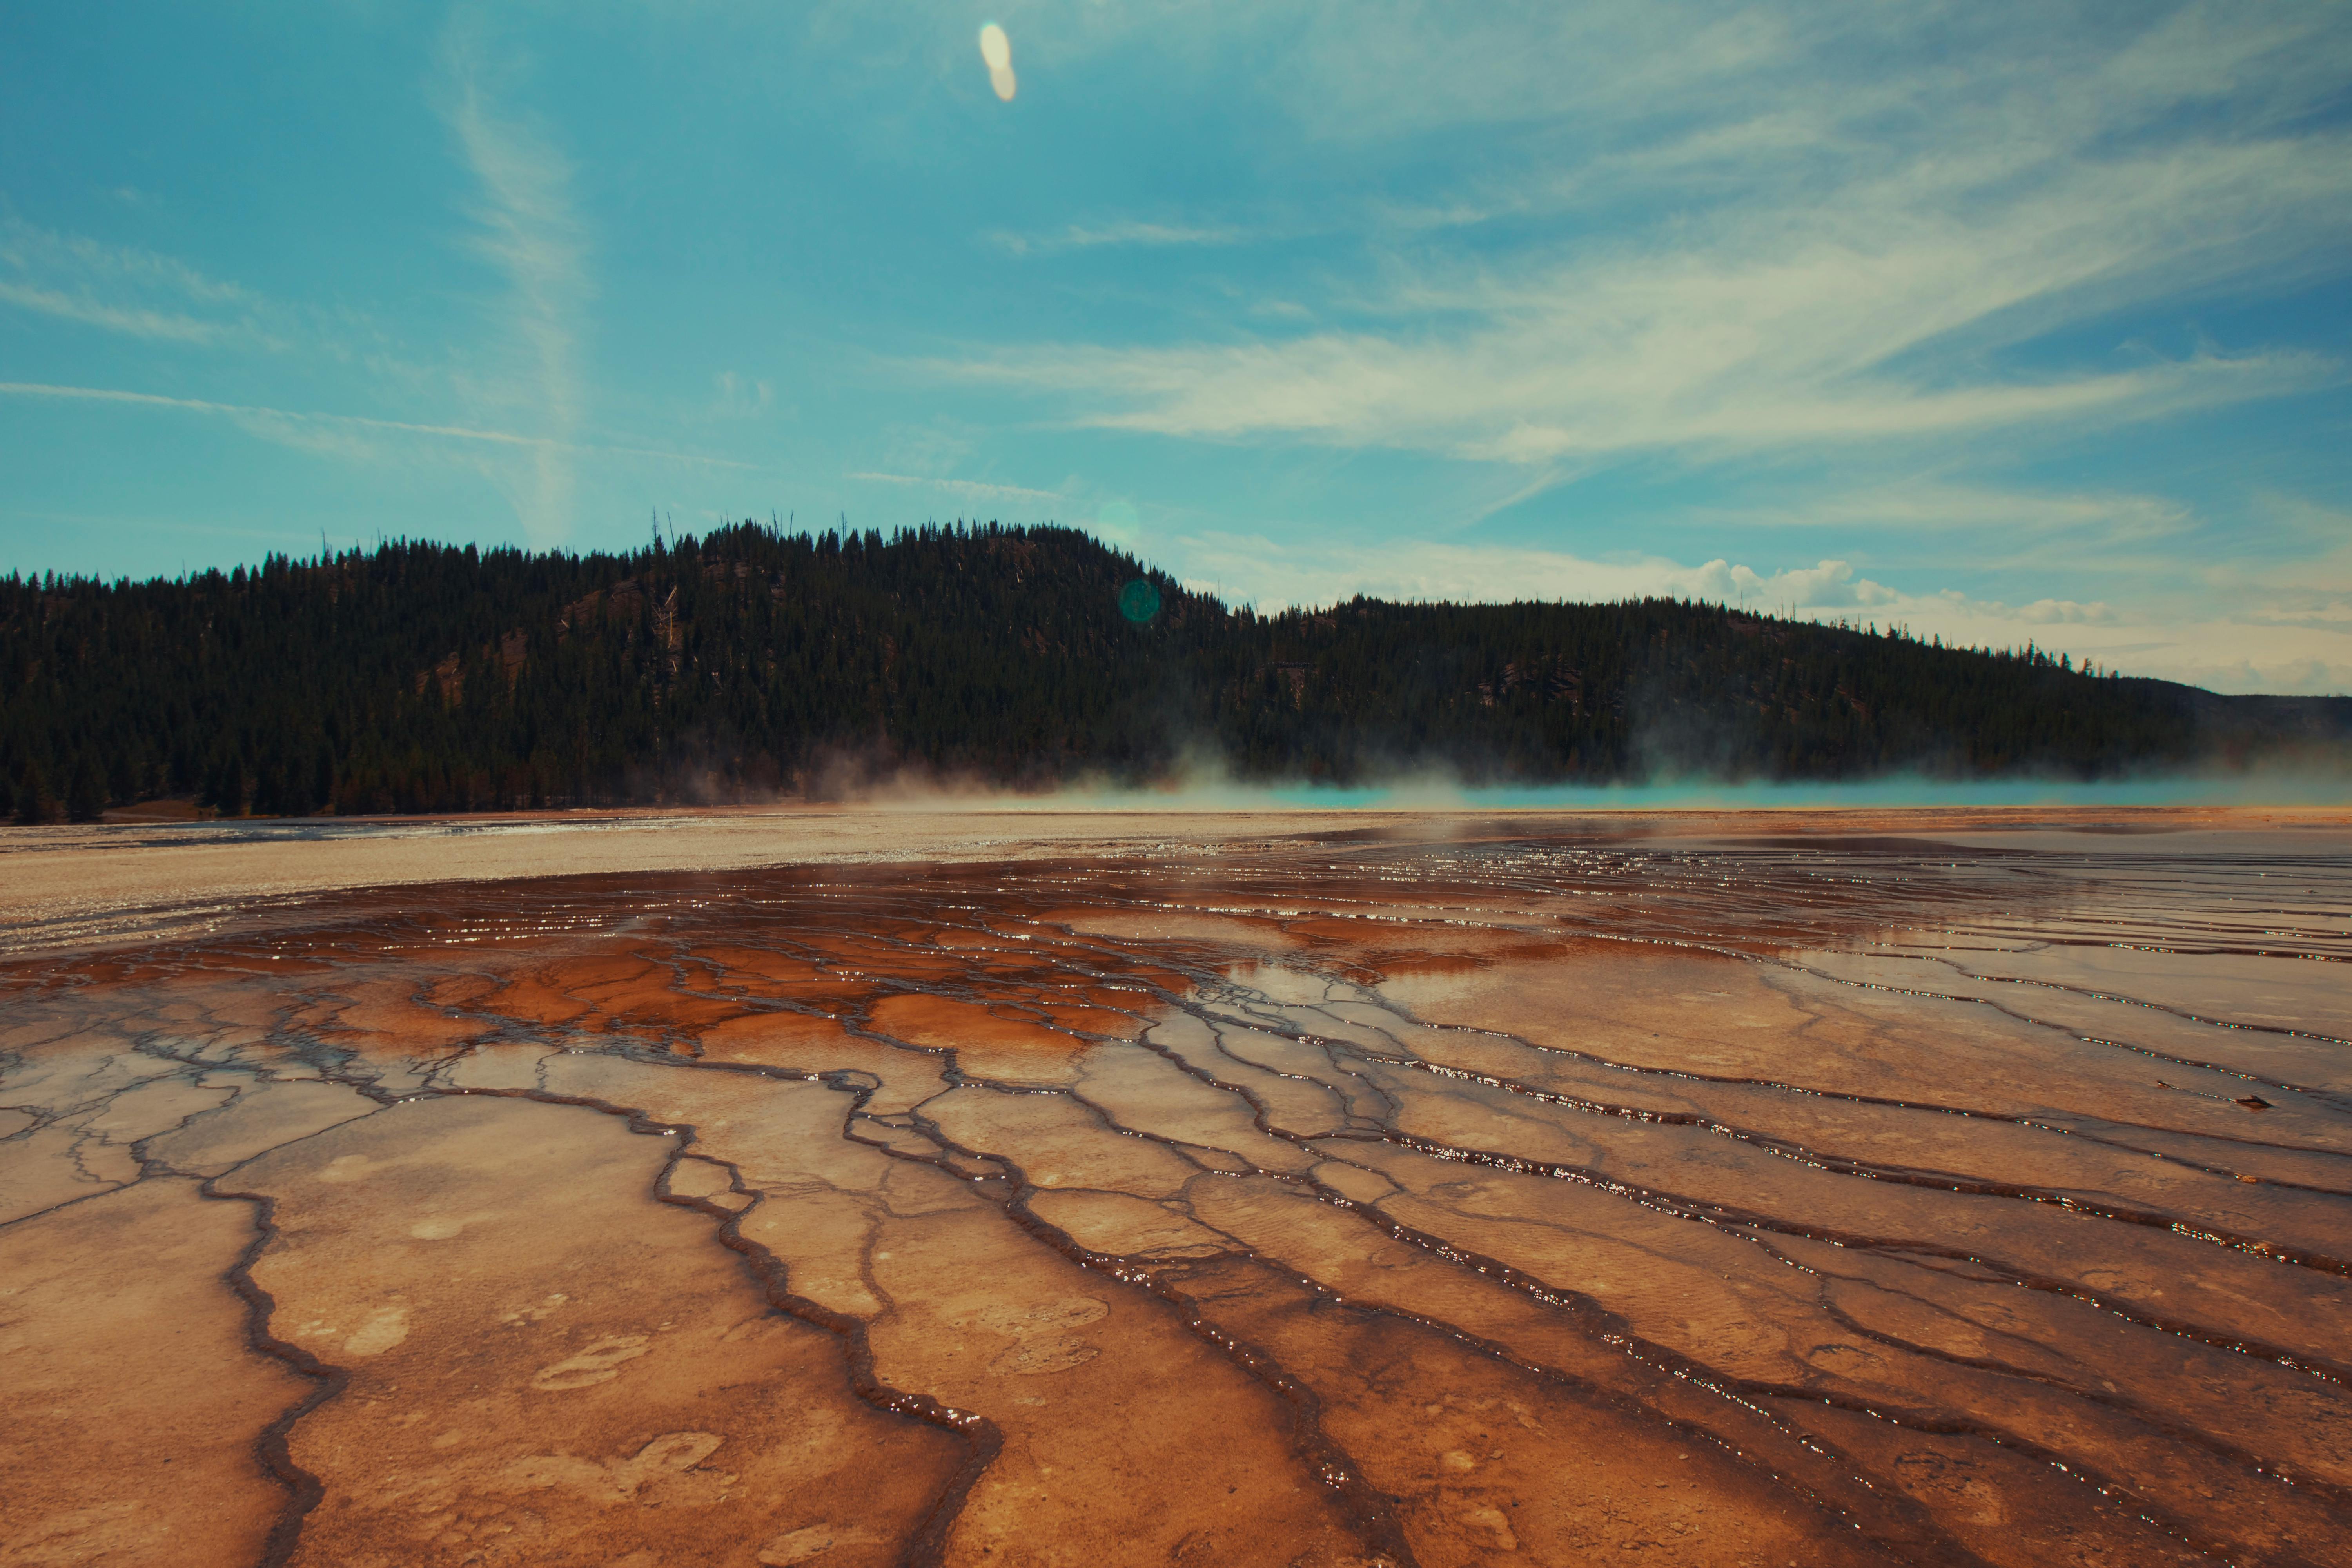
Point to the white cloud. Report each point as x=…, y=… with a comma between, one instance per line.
x=2227, y=644
x=1124, y=232
x=2329, y=614
x=968, y=490
x=2068, y=612
x=347, y=434
x=1779, y=230
x=1928, y=505
x=935, y=451
x=1740, y=349
x=740, y=396
x=1257, y=569
x=1400, y=67
x=81, y=307
x=122, y=289
x=530, y=233
x=2217, y=644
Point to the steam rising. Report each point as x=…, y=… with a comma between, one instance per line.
x=996, y=49
x=1201, y=780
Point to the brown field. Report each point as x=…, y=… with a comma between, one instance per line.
x=854, y=1189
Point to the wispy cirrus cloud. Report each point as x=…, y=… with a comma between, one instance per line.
x=80, y=306
x=969, y=490
x=740, y=397
x=1123, y=231
x=1931, y=506
x=123, y=288
x=1775, y=332
x=1503, y=397
x=1779, y=230
x=345, y=433
x=528, y=231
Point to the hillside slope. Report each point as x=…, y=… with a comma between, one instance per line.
x=422, y=677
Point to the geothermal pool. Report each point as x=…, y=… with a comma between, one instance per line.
x=1922, y=1189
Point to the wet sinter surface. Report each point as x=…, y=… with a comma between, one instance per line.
x=1330, y=1201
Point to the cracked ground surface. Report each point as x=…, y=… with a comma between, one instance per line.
x=1929, y=1195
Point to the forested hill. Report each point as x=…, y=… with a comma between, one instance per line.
x=747, y=664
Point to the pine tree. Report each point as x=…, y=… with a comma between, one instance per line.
x=33, y=802
x=86, y=795
x=419, y=676
x=224, y=788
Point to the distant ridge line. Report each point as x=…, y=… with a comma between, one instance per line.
x=753, y=663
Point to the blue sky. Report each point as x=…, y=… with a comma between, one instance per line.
x=2001, y=321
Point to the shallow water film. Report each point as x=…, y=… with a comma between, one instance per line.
x=1512, y=1197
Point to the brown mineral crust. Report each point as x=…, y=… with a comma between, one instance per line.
x=987, y=1043
x=1989, y=1154
x=1377, y=966
x=547, y=1365
x=134, y=1404
x=1862, y=1375
x=1164, y=927
x=1852, y=1165
x=2246, y=989
x=763, y=972
x=1081, y=1016
x=1056, y=1142
x=634, y=994
x=265, y=1113
x=591, y=977
x=1696, y=1168
x=2105, y=1170
x=1294, y=1107
x=652, y=1002
x=514, y=1067
x=1122, y=1225
x=1717, y=1302
x=211, y=1013
x=1634, y=1257
x=1489, y=1460
x=2009, y=1509
x=2278, y=1054
x=1098, y=1390
x=1554, y=1333
x=1103, y=1398
x=88, y=1103
x=782, y=1039
x=897, y=1076
x=1732, y=1019
x=2062, y=1343
x=385, y=1020
x=533, y=996
x=1145, y=1091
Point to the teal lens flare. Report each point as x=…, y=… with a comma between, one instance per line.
x=1139, y=601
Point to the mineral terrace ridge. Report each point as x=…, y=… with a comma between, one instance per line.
x=855, y=1187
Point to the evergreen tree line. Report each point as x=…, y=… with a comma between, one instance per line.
x=749, y=664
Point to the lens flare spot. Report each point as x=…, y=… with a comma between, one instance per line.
x=996, y=52
x=1139, y=601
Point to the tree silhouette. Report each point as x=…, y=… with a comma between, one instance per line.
x=422, y=677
